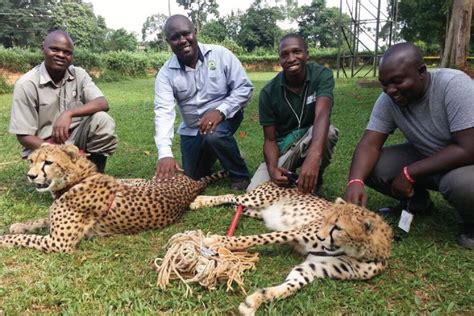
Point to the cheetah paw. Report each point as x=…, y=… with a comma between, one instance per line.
x=246, y=309
x=19, y=228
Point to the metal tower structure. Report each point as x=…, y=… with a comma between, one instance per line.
x=359, y=44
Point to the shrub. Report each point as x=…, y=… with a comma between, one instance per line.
x=88, y=60
x=127, y=63
x=5, y=87
x=17, y=59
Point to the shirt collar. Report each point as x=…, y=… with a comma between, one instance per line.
x=45, y=78
x=202, y=51
x=306, y=78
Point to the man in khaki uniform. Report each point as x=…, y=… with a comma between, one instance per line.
x=57, y=102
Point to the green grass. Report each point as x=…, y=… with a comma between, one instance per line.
x=428, y=273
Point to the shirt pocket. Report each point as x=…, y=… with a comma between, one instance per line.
x=181, y=89
x=216, y=84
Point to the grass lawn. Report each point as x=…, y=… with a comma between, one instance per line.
x=428, y=272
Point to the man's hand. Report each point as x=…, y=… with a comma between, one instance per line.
x=401, y=187
x=308, y=178
x=209, y=121
x=356, y=194
x=167, y=167
x=61, y=127
x=277, y=175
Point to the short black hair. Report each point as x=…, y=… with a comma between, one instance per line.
x=294, y=35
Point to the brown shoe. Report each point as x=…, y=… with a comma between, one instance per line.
x=239, y=184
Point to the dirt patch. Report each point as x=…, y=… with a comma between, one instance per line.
x=12, y=76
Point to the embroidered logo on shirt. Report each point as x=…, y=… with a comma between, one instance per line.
x=310, y=99
x=211, y=65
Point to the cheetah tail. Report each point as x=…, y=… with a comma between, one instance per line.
x=214, y=177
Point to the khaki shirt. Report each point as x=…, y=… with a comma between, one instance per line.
x=38, y=101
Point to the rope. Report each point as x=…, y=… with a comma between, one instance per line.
x=188, y=260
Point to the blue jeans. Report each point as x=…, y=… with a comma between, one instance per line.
x=199, y=153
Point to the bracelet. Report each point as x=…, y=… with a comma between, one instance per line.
x=355, y=181
x=407, y=175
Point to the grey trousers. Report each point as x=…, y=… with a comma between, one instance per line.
x=294, y=157
x=456, y=185
x=94, y=134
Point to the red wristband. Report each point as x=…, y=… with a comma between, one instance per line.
x=407, y=175
x=355, y=181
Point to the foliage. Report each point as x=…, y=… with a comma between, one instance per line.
x=199, y=10
x=428, y=272
x=319, y=25
x=121, y=39
x=423, y=20
x=88, y=59
x=5, y=87
x=153, y=33
x=21, y=60
x=214, y=31
x=259, y=27
x=24, y=23
x=79, y=20
x=126, y=63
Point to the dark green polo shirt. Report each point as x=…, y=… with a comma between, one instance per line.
x=275, y=110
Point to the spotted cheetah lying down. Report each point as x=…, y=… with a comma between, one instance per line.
x=341, y=240
x=88, y=203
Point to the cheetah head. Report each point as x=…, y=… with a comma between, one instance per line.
x=355, y=231
x=55, y=167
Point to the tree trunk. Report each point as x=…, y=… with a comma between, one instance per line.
x=457, y=40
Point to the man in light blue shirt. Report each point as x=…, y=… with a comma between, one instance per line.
x=210, y=88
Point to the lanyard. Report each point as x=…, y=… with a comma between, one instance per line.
x=300, y=117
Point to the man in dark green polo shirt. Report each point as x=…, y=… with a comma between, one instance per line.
x=295, y=109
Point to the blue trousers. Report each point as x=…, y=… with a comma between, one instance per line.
x=200, y=152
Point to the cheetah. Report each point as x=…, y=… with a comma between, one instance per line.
x=340, y=240
x=88, y=203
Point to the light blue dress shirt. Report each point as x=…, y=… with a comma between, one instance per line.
x=218, y=82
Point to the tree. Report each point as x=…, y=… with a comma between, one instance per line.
x=423, y=20
x=214, y=31
x=121, y=40
x=24, y=23
x=79, y=20
x=259, y=27
x=319, y=25
x=457, y=39
x=152, y=30
x=199, y=10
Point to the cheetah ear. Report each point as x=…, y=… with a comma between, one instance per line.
x=72, y=151
x=368, y=226
x=340, y=201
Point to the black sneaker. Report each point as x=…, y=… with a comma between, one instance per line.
x=239, y=184
x=415, y=209
x=466, y=236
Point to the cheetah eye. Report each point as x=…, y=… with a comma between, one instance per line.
x=337, y=227
x=48, y=162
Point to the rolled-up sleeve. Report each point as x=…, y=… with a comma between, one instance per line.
x=24, y=117
x=240, y=86
x=165, y=114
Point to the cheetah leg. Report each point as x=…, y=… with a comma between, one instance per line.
x=73, y=230
x=253, y=213
x=29, y=226
x=209, y=200
x=244, y=242
x=299, y=276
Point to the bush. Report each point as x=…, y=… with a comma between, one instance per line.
x=5, y=87
x=157, y=59
x=17, y=59
x=88, y=60
x=127, y=63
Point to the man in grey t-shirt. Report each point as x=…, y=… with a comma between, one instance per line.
x=435, y=112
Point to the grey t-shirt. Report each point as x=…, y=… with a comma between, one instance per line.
x=447, y=106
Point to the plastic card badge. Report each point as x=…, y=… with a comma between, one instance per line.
x=405, y=220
